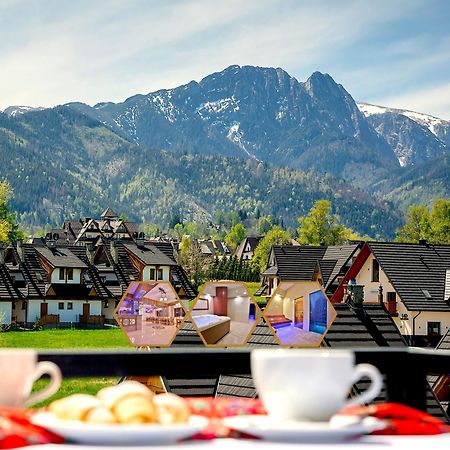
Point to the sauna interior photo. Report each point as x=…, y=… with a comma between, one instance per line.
x=150, y=313
x=225, y=314
x=300, y=313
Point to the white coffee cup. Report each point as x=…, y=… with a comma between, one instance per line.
x=19, y=369
x=310, y=384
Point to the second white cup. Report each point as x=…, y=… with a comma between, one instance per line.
x=310, y=384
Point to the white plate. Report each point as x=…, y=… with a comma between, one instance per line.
x=265, y=427
x=119, y=434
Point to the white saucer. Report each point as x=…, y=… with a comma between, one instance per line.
x=265, y=427
x=119, y=434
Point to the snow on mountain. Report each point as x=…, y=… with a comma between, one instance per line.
x=431, y=122
x=14, y=111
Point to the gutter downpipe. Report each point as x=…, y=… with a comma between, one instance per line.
x=414, y=328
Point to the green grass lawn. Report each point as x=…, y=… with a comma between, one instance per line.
x=65, y=339
x=68, y=339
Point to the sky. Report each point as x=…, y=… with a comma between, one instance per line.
x=393, y=53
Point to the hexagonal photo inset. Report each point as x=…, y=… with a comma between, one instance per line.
x=225, y=314
x=150, y=313
x=299, y=313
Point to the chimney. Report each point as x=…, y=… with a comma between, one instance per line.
x=90, y=252
x=20, y=250
x=114, y=251
x=140, y=240
x=2, y=253
x=422, y=241
x=50, y=239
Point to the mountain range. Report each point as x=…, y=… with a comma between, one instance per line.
x=220, y=134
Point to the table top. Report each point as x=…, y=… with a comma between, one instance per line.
x=436, y=442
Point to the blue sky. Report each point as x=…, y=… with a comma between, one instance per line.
x=393, y=53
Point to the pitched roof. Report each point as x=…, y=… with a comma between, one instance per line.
x=370, y=326
x=417, y=272
x=32, y=270
x=8, y=290
x=299, y=262
x=108, y=213
x=149, y=254
x=61, y=257
x=253, y=241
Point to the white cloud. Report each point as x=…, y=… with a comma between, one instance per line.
x=433, y=100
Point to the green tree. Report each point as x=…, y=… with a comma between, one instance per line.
x=264, y=224
x=434, y=225
x=322, y=227
x=193, y=261
x=178, y=230
x=276, y=236
x=440, y=222
x=235, y=236
x=151, y=229
x=9, y=230
x=417, y=225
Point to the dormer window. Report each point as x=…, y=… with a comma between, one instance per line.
x=69, y=273
x=62, y=274
x=152, y=273
x=160, y=274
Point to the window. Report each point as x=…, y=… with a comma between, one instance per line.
x=69, y=273
x=160, y=274
x=61, y=305
x=24, y=305
x=434, y=328
x=61, y=273
x=69, y=305
x=375, y=270
x=391, y=297
x=152, y=273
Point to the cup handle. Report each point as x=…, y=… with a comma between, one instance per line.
x=49, y=368
x=375, y=387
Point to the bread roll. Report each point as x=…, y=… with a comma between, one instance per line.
x=130, y=402
x=100, y=414
x=74, y=407
x=170, y=409
x=135, y=409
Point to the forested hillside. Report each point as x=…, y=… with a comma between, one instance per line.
x=63, y=164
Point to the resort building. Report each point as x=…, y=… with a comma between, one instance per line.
x=412, y=281
x=327, y=265
x=80, y=285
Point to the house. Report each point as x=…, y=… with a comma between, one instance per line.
x=60, y=284
x=11, y=280
x=90, y=230
x=247, y=247
x=306, y=263
x=411, y=280
x=211, y=248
